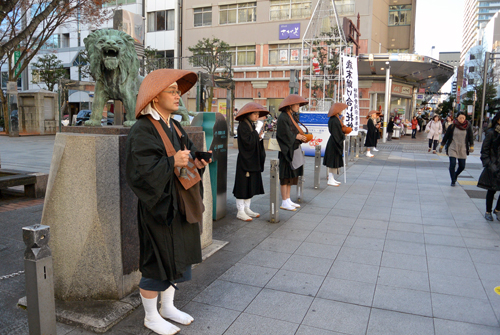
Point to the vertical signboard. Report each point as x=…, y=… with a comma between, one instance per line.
x=351, y=93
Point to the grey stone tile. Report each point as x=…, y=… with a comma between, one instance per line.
x=209, y=320
x=338, y=220
x=404, y=261
x=333, y=228
x=488, y=271
x=296, y=282
x=403, y=300
x=393, y=323
x=301, y=224
x=290, y=234
x=312, y=265
x=349, y=291
x=314, y=210
x=306, y=216
x=270, y=259
x=447, y=327
x=318, y=250
x=374, y=224
x=367, y=214
x=428, y=221
x=440, y=230
x=485, y=256
x=401, y=247
x=460, y=286
x=337, y=316
x=450, y=267
x=403, y=278
x=307, y=330
x=409, y=227
x=325, y=238
x=440, y=251
x=341, y=212
x=405, y=236
x=478, y=232
x=228, y=295
x=482, y=243
x=279, y=245
x=368, y=232
x=361, y=256
x=364, y=243
x=354, y=271
x=463, y=309
x=245, y=239
x=248, y=324
x=454, y=241
x=406, y=218
x=280, y=305
x=249, y=274
x=489, y=287
x=408, y=211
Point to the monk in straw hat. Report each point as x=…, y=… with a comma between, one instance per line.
x=251, y=159
x=335, y=147
x=289, y=139
x=169, y=245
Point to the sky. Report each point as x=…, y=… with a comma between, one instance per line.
x=439, y=24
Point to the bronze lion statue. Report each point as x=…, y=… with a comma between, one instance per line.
x=115, y=68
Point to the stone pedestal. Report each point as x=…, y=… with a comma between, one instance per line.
x=92, y=214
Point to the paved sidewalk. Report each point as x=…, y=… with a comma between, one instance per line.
x=395, y=250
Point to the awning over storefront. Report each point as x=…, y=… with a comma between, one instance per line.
x=419, y=71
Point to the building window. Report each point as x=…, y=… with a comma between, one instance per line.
x=244, y=55
x=112, y=3
x=203, y=16
x=289, y=9
x=53, y=42
x=345, y=7
x=471, y=69
x=399, y=15
x=280, y=54
x=471, y=57
x=161, y=20
x=470, y=81
x=238, y=13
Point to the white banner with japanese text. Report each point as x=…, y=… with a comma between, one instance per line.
x=351, y=94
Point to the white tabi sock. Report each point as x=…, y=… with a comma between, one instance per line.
x=291, y=203
x=153, y=319
x=169, y=311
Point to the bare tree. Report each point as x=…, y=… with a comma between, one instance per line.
x=26, y=25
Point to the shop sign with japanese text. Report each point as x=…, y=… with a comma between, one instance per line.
x=351, y=94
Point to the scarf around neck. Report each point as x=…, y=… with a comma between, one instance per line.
x=461, y=126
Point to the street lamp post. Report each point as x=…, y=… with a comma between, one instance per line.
x=387, y=101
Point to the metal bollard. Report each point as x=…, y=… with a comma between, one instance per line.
x=352, y=146
x=300, y=185
x=39, y=281
x=317, y=165
x=275, y=192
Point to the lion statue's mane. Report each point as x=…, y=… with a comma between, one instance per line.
x=115, y=68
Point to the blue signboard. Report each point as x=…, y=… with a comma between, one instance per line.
x=289, y=31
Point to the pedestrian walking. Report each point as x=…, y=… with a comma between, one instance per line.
x=333, y=158
x=459, y=142
x=371, y=135
x=290, y=138
x=434, y=130
x=420, y=124
x=390, y=128
x=490, y=177
x=414, y=124
x=157, y=149
x=250, y=161
x=449, y=122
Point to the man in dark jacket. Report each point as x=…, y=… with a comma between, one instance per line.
x=169, y=245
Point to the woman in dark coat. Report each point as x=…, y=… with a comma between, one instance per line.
x=390, y=128
x=490, y=157
x=459, y=142
x=289, y=139
x=335, y=147
x=169, y=244
x=250, y=161
x=371, y=135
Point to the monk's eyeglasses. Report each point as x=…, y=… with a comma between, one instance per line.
x=174, y=93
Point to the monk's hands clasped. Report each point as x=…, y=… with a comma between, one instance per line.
x=300, y=137
x=201, y=164
x=181, y=158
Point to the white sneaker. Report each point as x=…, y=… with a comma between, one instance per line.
x=243, y=216
x=368, y=154
x=251, y=213
x=375, y=149
x=286, y=206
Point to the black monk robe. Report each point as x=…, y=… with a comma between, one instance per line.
x=286, y=134
x=168, y=243
x=371, y=135
x=335, y=146
x=251, y=159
